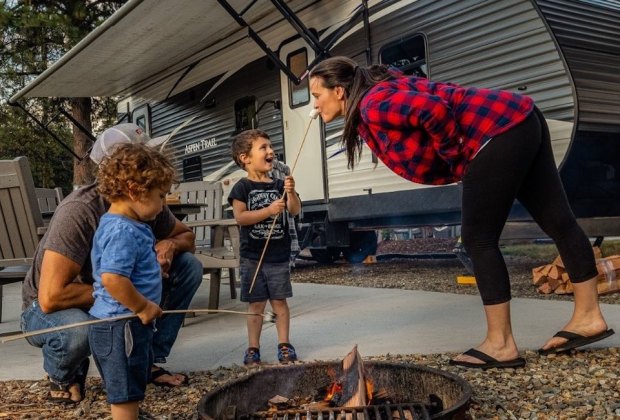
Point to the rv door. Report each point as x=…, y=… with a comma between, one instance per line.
x=307, y=161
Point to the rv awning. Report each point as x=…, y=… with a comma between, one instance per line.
x=147, y=45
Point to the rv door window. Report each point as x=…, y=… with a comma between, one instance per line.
x=245, y=113
x=407, y=54
x=297, y=62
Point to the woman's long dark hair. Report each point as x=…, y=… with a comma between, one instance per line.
x=356, y=80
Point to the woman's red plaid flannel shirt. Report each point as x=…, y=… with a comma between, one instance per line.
x=427, y=132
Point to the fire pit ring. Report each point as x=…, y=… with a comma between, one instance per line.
x=426, y=392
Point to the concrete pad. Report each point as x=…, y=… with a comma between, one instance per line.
x=326, y=321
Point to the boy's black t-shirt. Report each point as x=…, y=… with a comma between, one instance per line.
x=258, y=195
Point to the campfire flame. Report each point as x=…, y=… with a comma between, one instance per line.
x=353, y=387
x=370, y=388
x=335, y=389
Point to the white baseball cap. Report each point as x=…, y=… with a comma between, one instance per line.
x=118, y=134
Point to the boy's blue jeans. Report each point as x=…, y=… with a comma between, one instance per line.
x=63, y=351
x=123, y=353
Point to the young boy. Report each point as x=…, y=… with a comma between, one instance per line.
x=135, y=180
x=256, y=201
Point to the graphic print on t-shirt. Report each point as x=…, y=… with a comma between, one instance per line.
x=259, y=199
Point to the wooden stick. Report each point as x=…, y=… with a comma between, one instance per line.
x=269, y=316
x=313, y=114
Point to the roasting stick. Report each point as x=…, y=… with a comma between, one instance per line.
x=313, y=114
x=268, y=317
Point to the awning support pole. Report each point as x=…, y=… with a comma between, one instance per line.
x=77, y=124
x=256, y=38
x=301, y=29
x=47, y=130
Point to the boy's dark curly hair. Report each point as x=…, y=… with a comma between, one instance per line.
x=134, y=168
x=242, y=143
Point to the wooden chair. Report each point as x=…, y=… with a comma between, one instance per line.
x=48, y=199
x=217, y=239
x=21, y=223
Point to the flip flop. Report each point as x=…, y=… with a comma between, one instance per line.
x=54, y=387
x=80, y=380
x=489, y=362
x=160, y=372
x=574, y=340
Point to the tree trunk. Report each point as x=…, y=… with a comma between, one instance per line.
x=84, y=170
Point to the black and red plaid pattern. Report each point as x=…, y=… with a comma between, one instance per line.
x=427, y=131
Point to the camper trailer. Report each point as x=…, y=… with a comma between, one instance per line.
x=217, y=67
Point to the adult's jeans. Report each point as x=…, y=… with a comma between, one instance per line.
x=63, y=351
x=178, y=291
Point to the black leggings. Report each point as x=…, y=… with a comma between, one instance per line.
x=518, y=164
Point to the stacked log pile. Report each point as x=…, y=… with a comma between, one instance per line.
x=553, y=278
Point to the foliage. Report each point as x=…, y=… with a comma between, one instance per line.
x=48, y=161
x=35, y=34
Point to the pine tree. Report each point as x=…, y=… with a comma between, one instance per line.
x=36, y=33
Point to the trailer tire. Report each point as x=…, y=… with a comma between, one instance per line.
x=325, y=255
x=363, y=244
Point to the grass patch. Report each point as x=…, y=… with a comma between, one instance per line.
x=547, y=252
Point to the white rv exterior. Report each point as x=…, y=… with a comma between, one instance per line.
x=195, y=59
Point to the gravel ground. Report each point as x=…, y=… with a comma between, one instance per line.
x=580, y=385
x=429, y=274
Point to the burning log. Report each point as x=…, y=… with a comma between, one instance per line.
x=279, y=402
x=352, y=389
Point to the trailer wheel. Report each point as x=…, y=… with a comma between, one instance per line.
x=363, y=244
x=325, y=255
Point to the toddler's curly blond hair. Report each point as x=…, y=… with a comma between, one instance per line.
x=135, y=169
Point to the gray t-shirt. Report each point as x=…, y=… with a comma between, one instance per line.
x=71, y=233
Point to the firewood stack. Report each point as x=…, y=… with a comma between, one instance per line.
x=553, y=278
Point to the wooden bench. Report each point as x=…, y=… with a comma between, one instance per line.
x=21, y=223
x=48, y=199
x=217, y=239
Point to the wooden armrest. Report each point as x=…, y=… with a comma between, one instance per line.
x=211, y=223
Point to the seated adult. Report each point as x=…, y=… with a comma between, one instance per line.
x=58, y=289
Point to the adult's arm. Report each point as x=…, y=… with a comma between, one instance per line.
x=180, y=239
x=66, y=250
x=57, y=290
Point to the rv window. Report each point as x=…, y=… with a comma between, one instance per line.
x=245, y=113
x=407, y=54
x=299, y=95
x=192, y=169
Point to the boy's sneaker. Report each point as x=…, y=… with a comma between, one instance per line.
x=286, y=353
x=251, y=356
